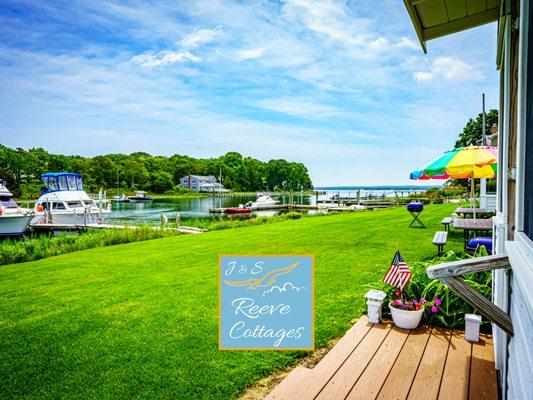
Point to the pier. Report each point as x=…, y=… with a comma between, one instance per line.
x=50, y=227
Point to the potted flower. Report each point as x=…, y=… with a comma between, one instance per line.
x=407, y=313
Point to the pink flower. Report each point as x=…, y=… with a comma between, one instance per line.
x=437, y=301
x=397, y=303
x=434, y=309
x=422, y=300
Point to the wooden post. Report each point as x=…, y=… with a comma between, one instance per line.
x=178, y=220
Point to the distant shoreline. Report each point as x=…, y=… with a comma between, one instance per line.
x=384, y=187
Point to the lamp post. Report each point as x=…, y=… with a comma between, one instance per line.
x=374, y=303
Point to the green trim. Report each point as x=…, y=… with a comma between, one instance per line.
x=461, y=24
x=415, y=19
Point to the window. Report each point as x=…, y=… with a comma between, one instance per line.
x=58, y=206
x=7, y=202
x=62, y=180
x=75, y=204
x=79, y=182
x=71, y=180
x=52, y=183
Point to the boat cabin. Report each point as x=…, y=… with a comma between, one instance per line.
x=511, y=309
x=6, y=198
x=60, y=181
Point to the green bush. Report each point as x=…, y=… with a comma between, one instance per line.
x=453, y=308
x=293, y=215
x=43, y=246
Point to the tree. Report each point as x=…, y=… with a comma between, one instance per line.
x=472, y=132
x=22, y=170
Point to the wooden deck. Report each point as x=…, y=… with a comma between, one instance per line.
x=384, y=362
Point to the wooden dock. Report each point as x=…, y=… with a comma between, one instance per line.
x=86, y=227
x=380, y=361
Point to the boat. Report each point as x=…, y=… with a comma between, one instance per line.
x=64, y=202
x=237, y=210
x=122, y=198
x=263, y=201
x=140, y=197
x=14, y=220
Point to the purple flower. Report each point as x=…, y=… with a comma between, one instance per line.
x=405, y=305
x=422, y=300
x=434, y=309
x=437, y=301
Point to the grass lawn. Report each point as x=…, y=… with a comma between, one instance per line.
x=140, y=320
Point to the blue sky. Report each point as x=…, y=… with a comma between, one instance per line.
x=343, y=87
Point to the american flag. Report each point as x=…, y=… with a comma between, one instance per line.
x=398, y=274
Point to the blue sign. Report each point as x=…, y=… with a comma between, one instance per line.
x=266, y=302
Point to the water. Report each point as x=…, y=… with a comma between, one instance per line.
x=198, y=208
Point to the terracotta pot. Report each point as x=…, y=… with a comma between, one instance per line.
x=406, y=319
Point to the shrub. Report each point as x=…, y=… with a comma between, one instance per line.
x=43, y=246
x=452, y=309
x=293, y=215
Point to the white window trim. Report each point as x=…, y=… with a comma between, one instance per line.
x=520, y=250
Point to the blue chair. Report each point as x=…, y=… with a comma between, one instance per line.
x=475, y=242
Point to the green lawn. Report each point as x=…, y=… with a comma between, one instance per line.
x=140, y=320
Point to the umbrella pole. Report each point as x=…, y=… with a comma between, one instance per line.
x=473, y=190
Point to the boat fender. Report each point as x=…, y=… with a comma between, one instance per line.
x=39, y=208
x=1, y=211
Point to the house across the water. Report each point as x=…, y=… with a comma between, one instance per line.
x=200, y=183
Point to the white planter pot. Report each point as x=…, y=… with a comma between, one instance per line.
x=406, y=319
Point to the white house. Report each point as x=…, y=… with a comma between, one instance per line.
x=513, y=224
x=200, y=183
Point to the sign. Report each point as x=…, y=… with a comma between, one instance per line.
x=266, y=302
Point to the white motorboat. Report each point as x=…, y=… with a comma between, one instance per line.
x=263, y=201
x=14, y=220
x=140, y=197
x=120, y=199
x=64, y=202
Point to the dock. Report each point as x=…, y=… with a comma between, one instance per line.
x=85, y=227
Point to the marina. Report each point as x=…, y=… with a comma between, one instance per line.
x=65, y=206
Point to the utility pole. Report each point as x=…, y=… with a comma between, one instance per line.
x=483, y=137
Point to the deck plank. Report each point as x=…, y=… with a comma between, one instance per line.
x=401, y=376
x=328, y=366
x=285, y=387
x=456, y=373
x=428, y=377
x=369, y=383
x=342, y=382
x=483, y=379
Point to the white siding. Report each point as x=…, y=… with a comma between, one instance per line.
x=520, y=362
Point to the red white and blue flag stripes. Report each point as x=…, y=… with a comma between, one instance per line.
x=399, y=274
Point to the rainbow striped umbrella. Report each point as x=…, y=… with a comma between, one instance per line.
x=467, y=162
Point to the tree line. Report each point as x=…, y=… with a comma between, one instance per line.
x=22, y=169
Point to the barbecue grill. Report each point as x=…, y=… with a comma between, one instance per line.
x=415, y=208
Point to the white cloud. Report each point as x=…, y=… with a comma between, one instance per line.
x=300, y=107
x=248, y=54
x=406, y=43
x=164, y=57
x=286, y=288
x=379, y=44
x=202, y=36
x=450, y=69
